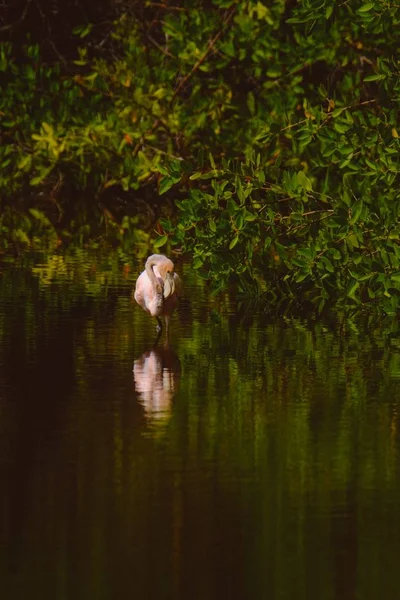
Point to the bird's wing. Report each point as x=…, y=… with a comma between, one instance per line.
x=144, y=292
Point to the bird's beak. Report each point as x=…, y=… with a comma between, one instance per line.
x=169, y=285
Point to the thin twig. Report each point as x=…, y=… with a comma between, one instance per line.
x=152, y=129
x=328, y=117
x=294, y=125
x=210, y=45
x=167, y=7
x=157, y=45
x=20, y=20
x=313, y=212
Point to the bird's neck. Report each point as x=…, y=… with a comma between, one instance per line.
x=151, y=275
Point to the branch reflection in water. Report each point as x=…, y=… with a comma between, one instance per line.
x=156, y=375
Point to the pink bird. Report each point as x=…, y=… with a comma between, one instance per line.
x=156, y=375
x=158, y=288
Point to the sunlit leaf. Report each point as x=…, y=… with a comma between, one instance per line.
x=375, y=77
x=366, y=7
x=233, y=242
x=161, y=241
x=352, y=288
x=166, y=183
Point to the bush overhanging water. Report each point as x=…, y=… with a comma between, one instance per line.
x=274, y=127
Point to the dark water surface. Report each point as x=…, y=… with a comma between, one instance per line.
x=254, y=457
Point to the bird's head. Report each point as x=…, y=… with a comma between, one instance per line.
x=169, y=284
x=167, y=273
x=165, y=268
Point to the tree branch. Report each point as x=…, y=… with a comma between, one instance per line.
x=210, y=45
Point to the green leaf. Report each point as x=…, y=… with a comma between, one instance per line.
x=356, y=212
x=21, y=236
x=341, y=128
x=301, y=275
x=195, y=175
x=25, y=162
x=352, y=241
x=303, y=181
x=249, y=216
x=232, y=207
x=166, y=183
x=48, y=128
x=337, y=112
x=306, y=252
x=161, y=241
x=197, y=262
x=365, y=277
x=41, y=217
x=366, y=7
x=352, y=288
x=239, y=221
x=251, y=104
x=41, y=176
x=233, y=243
x=273, y=73
x=375, y=77
x=161, y=169
x=328, y=265
x=371, y=164
x=212, y=225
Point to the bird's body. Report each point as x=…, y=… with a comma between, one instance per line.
x=158, y=288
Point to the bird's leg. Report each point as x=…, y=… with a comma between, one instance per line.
x=159, y=324
x=159, y=332
x=166, y=325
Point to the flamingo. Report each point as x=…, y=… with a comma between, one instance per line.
x=157, y=289
x=156, y=374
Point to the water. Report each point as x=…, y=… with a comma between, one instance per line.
x=251, y=457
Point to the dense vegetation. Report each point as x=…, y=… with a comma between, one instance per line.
x=272, y=126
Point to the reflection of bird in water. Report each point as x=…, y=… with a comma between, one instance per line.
x=156, y=374
x=157, y=288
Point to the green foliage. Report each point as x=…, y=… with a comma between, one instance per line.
x=34, y=232
x=274, y=125
x=283, y=238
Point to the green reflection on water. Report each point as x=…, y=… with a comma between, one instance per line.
x=268, y=469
